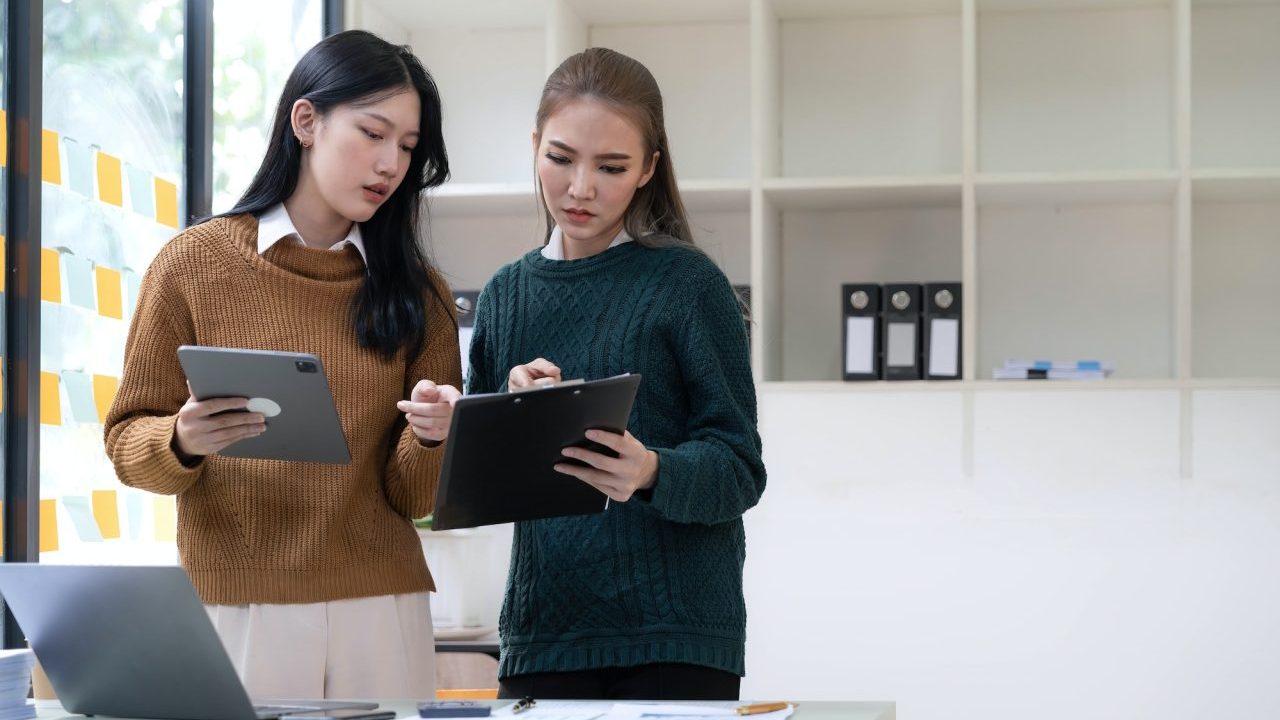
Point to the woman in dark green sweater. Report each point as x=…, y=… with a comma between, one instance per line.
x=644, y=600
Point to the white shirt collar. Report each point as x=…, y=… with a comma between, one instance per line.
x=554, y=249
x=275, y=225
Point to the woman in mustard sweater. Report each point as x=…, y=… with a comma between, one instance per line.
x=312, y=574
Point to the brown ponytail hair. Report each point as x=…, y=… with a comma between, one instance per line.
x=656, y=216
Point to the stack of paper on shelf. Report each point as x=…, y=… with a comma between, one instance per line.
x=1053, y=370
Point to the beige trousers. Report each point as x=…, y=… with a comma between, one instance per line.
x=372, y=647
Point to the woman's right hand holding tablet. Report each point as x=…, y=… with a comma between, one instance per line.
x=539, y=372
x=201, y=430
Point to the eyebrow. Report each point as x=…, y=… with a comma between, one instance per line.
x=602, y=156
x=386, y=120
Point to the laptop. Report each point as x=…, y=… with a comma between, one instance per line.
x=132, y=642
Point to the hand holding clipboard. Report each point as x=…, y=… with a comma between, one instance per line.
x=617, y=465
x=540, y=372
x=503, y=449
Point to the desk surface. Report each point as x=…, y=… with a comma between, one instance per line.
x=50, y=710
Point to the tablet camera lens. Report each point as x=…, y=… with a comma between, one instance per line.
x=305, y=366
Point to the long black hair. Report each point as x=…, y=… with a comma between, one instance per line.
x=359, y=68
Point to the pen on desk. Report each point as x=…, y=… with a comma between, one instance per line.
x=758, y=708
x=523, y=704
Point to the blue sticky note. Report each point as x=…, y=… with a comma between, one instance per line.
x=142, y=193
x=110, y=247
x=135, y=510
x=80, y=390
x=79, y=166
x=132, y=286
x=79, y=281
x=1089, y=365
x=50, y=336
x=82, y=519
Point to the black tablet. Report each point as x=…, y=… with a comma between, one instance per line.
x=502, y=448
x=289, y=389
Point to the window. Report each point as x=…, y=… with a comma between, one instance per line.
x=113, y=145
x=251, y=61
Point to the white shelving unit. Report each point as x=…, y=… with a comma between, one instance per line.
x=1102, y=175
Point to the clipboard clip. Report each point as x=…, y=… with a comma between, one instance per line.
x=546, y=384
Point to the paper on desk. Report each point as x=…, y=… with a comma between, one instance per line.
x=563, y=710
x=638, y=710
x=629, y=711
x=606, y=710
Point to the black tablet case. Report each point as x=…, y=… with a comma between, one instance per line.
x=502, y=447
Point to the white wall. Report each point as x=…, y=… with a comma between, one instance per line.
x=1074, y=574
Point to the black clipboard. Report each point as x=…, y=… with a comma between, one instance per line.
x=502, y=448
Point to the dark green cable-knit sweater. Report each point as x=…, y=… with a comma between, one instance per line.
x=659, y=578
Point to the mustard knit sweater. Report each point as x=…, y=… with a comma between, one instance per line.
x=265, y=531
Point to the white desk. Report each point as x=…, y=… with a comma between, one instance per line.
x=50, y=710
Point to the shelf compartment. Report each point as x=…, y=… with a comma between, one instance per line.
x=1077, y=282
x=824, y=249
x=1071, y=87
x=1235, y=260
x=1235, y=98
x=872, y=95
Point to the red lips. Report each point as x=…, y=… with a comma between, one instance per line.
x=578, y=215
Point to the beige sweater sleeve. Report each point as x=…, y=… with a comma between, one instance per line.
x=413, y=470
x=140, y=424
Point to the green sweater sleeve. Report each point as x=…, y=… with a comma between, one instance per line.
x=717, y=473
x=483, y=373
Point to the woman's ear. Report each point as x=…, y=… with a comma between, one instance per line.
x=303, y=116
x=653, y=167
x=533, y=137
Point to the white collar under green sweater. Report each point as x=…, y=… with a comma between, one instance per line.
x=655, y=579
x=554, y=249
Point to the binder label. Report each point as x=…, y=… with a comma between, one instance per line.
x=902, y=345
x=860, y=344
x=944, y=346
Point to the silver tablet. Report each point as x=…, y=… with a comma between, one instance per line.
x=289, y=389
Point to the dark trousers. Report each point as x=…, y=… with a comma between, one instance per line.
x=658, y=681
